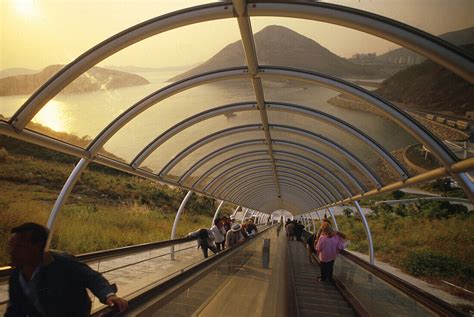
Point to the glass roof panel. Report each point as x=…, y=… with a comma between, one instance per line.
x=94, y=99
x=135, y=135
x=326, y=150
x=245, y=151
x=158, y=159
x=241, y=167
x=345, y=140
x=49, y=33
x=198, y=132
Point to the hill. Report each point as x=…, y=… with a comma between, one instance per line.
x=277, y=45
x=16, y=71
x=430, y=86
x=96, y=78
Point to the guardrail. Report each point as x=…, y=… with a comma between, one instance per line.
x=433, y=303
x=112, y=253
x=166, y=290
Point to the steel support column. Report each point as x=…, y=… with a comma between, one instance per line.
x=217, y=212
x=367, y=231
x=63, y=195
x=176, y=220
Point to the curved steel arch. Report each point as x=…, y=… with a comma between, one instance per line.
x=223, y=163
x=186, y=123
x=267, y=181
x=260, y=198
x=220, y=188
x=293, y=196
x=260, y=169
x=321, y=155
x=228, y=161
x=248, y=106
x=203, y=141
x=244, y=128
x=283, y=179
x=231, y=147
x=300, y=167
x=218, y=152
x=252, y=197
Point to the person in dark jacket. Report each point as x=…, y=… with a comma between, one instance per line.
x=51, y=283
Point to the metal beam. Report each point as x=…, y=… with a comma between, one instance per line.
x=331, y=212
x=248, y=44
x=176, y=220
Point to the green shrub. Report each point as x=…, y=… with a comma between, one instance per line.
x=428, y=263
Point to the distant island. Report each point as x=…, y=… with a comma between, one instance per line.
x=96, y=78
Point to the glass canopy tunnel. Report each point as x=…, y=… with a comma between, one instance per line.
x=254, y=128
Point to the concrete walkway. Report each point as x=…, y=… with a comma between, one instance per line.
x=429, y=288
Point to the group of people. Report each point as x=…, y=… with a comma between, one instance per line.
x=225, y=233
x=294, y=229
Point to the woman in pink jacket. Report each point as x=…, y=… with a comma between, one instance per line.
x=328, y=246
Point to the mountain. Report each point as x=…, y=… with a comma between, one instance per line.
x=404, y=56
x=16, y=71
x=430, y=86
x=94, y=79
x=277, y=45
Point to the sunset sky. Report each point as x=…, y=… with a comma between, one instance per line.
x=38, y=33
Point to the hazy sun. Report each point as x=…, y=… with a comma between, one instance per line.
x=26, y=8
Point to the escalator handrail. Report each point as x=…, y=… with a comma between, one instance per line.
x=173, y=285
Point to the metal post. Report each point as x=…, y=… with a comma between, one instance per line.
x=331, y=212
x=314, y=224
x=367, y=231
x=245, y=214
x=63, y=195
x=319, y=216
x=235, y=211
x=176, y=219
x=217, y=212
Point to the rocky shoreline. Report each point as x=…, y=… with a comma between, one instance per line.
x=441, y=131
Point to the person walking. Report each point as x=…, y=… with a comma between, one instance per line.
x=52, y=284
x=328, y=247
x=218, y=232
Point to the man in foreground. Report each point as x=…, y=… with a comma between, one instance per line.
x=51, y=283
